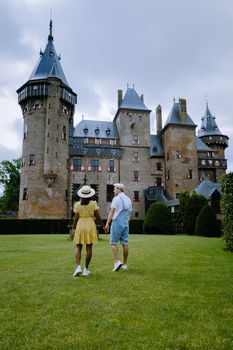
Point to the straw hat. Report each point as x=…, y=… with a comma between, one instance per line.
x=86, y=192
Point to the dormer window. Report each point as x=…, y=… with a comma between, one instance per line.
x=97, y=130
x=108, y=131
x=85, y=130
x=51, y=53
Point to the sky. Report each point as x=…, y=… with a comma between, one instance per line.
x=166, y=49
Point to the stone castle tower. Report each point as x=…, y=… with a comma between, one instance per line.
x=47, y=102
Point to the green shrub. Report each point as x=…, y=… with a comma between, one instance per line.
x=190, y=206
x=158, y=220
x=227, y=209
x=207, y=224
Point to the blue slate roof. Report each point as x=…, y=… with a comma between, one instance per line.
x=174, y=117
x=97, y=129
x=156, y=148
x=49, y=63
x=208, y=125
x=131, y=100
x=207, y=188
x=201, y=146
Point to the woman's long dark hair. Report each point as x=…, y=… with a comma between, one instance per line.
x=85, y=201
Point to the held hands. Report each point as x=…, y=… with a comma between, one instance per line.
x=106, y=229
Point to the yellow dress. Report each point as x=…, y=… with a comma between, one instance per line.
x=85, y=232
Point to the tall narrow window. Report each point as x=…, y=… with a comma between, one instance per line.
x=110, y=193
x=25, y=134
x=136, y=175
x=190, y=174
x=95, y=164
x=135, y=157
x=64, y=133
x=25, y=194
x=77, y=164
x=136, y=197
x=135, y=140
x=111, y=167
x=32, y=159
x=159, y=166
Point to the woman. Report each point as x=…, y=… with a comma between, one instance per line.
x=84, y=228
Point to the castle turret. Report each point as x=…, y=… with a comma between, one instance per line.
x=212, y=163
x=47, y=102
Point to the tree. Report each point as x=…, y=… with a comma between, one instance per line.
x=10, y=179
x=190, y=206
x=158, y=219
x=207, y=224
x=227, y=209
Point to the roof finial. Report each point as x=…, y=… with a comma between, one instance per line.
x=50, y=37
x=206, y=100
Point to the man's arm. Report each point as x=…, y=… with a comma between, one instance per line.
x=110, y=216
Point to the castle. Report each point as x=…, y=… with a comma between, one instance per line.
x=58, y=158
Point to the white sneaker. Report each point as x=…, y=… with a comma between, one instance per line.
x=77, y=271
x=124, y=267
x=86, y=272
x=117, y=266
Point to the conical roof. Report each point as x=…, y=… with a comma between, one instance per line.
x=208, y=125
x=49, y=63
x=174, y=117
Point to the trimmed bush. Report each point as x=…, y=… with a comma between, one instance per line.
x=227, y=209
x=207, y=224
x=190, y=206
x=158, y=220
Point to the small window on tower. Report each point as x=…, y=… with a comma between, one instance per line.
x=25, y=194
x=63, y=136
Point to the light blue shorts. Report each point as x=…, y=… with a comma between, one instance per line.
x=119, y=232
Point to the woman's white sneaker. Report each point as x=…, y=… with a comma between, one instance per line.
x=86, y=272
x=77, y=271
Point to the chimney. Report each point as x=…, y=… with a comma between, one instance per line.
x=159, y=119
x=142, y=98
x=119, y=97
x=183, y=110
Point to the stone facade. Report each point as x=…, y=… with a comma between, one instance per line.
x=58, y=158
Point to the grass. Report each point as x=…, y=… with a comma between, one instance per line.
x=176, y=295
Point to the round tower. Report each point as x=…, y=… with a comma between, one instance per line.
x=215, y=164
x=48, y=105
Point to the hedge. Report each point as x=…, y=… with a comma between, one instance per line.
x=49, y=226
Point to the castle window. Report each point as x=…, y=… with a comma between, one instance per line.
x=63, y=135
x=159, y=166
x=85, y=140
x=98, y=141
x=110, y=193
x=47, y=134
x=167, y=156
x=136, y=197
x=95, y=164
x=108, y=131
x=22, y=163
x=136, y=214
x=112, y=142
x=209, y=154
x=203, y=162
x=37, y=104
x=190, y=174
x=217, y=163
x=168, y=175
x=210, y=162
x=48, y=121
x=130, y=117
x=32, y=159
x=140, y=118
x=178, y=154
x=135, y=157
x=25, y=134
x=25, y=194
x=47, y=150
x=135, y=140
x=158, y=182
x=77, y=163
x=111, y=167
x=136, y=175
x=97, y=130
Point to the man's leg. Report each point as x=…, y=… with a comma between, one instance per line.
x=125, y=253
x=115, y=252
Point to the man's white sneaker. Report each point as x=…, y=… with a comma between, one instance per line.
x=77, y=271
x=124, y=267
x=86, y=272
x=117, y=266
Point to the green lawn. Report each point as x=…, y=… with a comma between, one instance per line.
x=177, y=294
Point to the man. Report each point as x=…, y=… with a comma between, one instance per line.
x=121, y=207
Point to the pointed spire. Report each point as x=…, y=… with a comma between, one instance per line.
x=208, y=125
x=50, y=37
